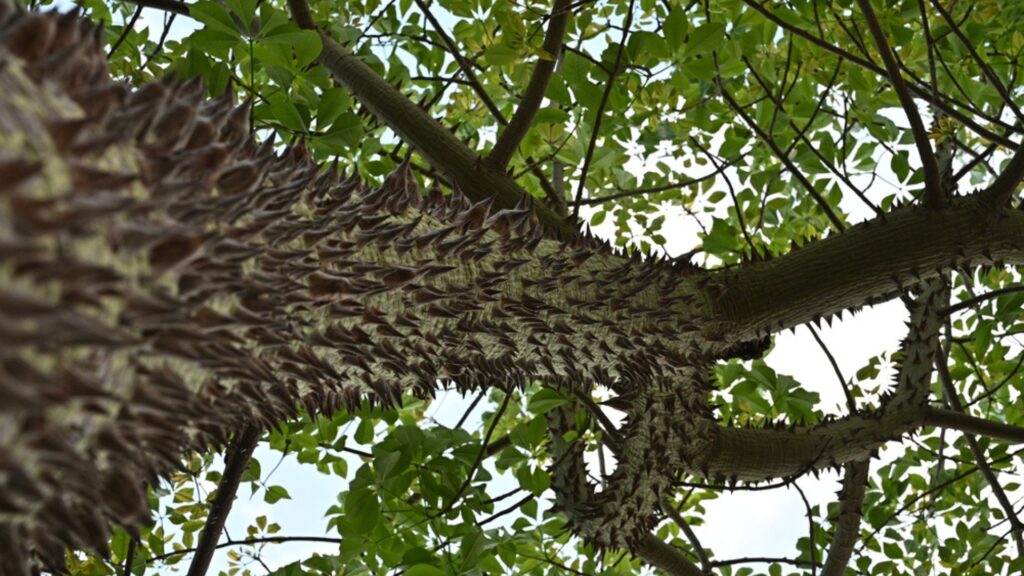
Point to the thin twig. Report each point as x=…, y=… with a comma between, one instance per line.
x=767, y=139
x=953, y=399
x=126, y=31
x=933, y=193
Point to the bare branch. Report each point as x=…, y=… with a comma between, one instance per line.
x=236, y=459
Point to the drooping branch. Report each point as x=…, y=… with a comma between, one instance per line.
x=521, y=121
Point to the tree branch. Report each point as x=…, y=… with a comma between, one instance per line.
x=249, y=542
x=698, y=548
x=875, y=259
x=933, y=193
x=953, y=399
x=666, y=557
x=990, y=74
x=973, y=425
x=1000, y=192
x=846, y=533
x=782, y=157
x=439, y=146
x=236, y=459
x=920, y=92
x=509, y=139
x=173, y=6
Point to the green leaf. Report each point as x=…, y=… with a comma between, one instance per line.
x=305, y=43
x=364, y=432
x=362, y=509
x=501, y=54
x=424, y=570
x=546, y=399
x=708, y=37
x=721, y=239
x=244, y=9
x=675, y=27
x=213, y=15
x=252, y=471
x=333, y=103
x=276, y=493
x=551, y=115
x=286, y=113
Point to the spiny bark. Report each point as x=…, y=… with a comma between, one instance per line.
x=165, y=283
x=846, y=527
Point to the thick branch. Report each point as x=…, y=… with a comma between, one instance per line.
x=665, y=557
x=1000, y=192
x=758, y=454
x=872, y=260
x=236, y=459
x=414, y=125
x=522, y=119
x=973, y=425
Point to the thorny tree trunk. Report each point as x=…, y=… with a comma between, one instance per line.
x=165, y=283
